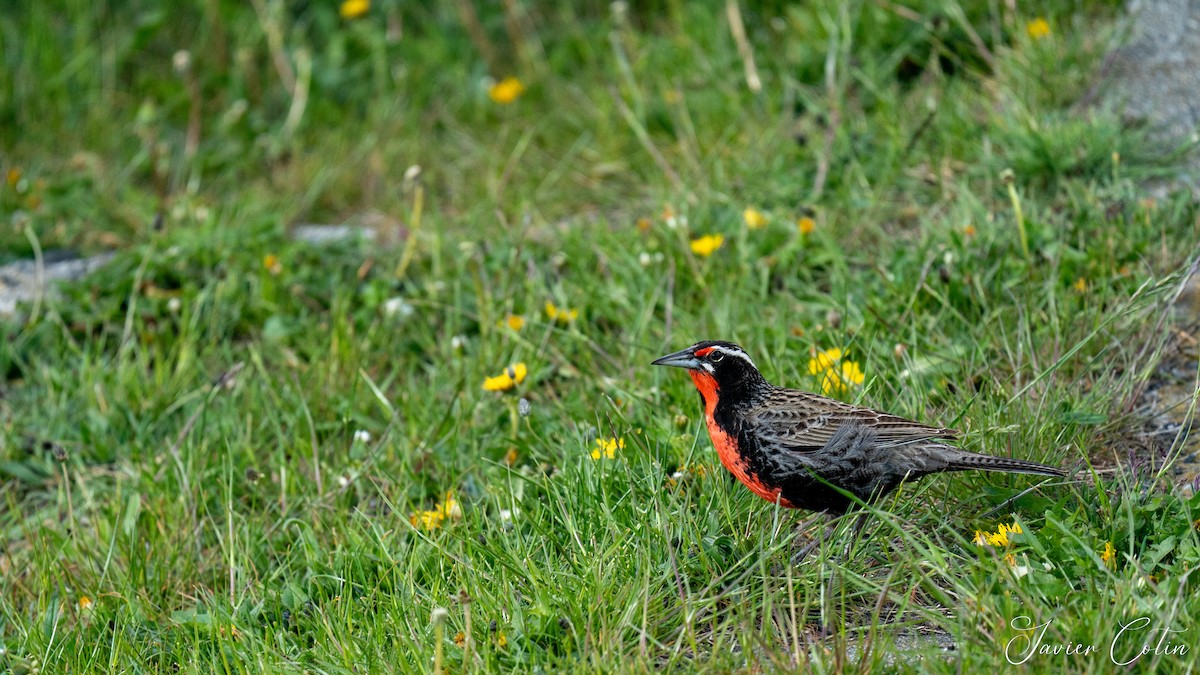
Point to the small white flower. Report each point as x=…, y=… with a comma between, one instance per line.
x=411, y=173
x=343, y=481
x=1020, y=571
x=647, y=259
x=398, y=307
x=523, y=407
x=174, y=305
x=362, y=436
x=458, y=342
x=182, y=60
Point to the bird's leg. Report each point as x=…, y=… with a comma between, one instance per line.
x=815, y=542
x=858, y=526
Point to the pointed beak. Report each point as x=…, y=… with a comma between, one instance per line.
x=680, y=359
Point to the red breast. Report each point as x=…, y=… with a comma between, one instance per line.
x=727, y=444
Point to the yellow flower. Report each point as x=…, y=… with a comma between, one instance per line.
x=607, y=447
x=754, y=218
x=969, y=229
x=838, y=380
x=643, y=224
x=1038, y=28
x=353, y=9
x=824, y=360
x=1109, y=554
x=271, y=264
x=836, y=375
x=506, y=91
x=85, y=603
x=13, y=177
x=514, y=321
x=1011, y=560
x=501, y=640
x=430, y=520
x=707, y=245
x=999, y=538
x=1080, y=285
x=806, y=225
x=561, y=315
x=511, y=377
x=460, y=638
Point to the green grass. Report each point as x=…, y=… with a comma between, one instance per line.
x=179, y=429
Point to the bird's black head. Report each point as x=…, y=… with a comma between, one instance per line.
x=719, y=363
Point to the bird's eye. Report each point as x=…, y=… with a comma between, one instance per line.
x=716, y=357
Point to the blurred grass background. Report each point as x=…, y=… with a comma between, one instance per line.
x=230, y=450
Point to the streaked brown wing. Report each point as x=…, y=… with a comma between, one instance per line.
x=805, y=422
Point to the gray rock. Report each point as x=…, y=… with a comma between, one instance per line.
x=23, y=281
x=1154, y=79
x=325, y=234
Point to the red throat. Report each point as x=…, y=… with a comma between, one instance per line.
x=727, y=445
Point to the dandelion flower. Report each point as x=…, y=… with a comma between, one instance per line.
x=969, y=229
x=806, y=225
x=754, y=218
x=999, y=538
x=1038, y=28
x=506, y=91
x=839, y=380
x=13, y=177
x=1080, y=285
x=272, y=265
x=353, y=9
x=824, y=360
x=607, y=447
x=434, y=518
x=1109, y=554
x=836, y=375
x=85, y=603
x=560, y=314
x=514, y=321
x=707, y=245
x=511, y=377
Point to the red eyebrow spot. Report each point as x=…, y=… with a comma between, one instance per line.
x=704, y=352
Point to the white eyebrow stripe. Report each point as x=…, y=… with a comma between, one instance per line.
x=735, y=352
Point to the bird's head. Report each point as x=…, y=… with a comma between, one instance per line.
x=715, y=366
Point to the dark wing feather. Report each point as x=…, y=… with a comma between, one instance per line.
x=805, y=422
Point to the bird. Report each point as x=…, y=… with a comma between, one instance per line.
x=806, y=451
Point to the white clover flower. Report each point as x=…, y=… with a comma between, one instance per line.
x=398, y=307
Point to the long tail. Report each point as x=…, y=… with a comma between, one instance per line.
x=961, y=460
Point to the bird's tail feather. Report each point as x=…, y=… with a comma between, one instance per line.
x=961, y=460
